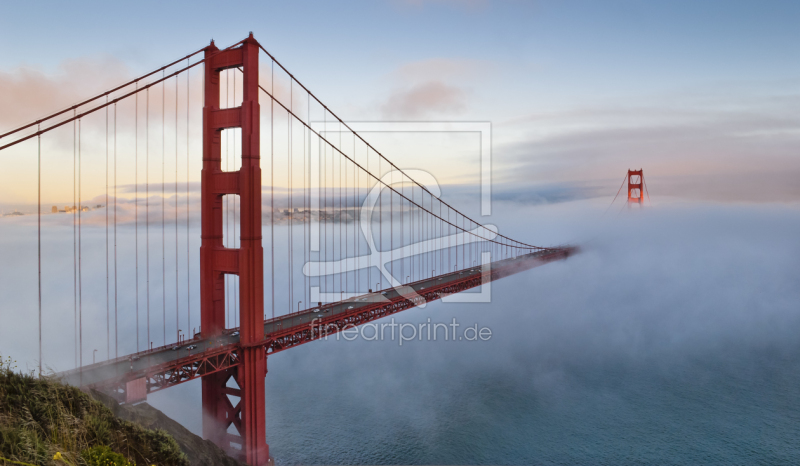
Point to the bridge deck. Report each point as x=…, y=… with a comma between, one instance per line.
x=177, y=363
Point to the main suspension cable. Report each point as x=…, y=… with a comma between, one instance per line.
x=389, y=185
x=118, y=99
x=529, y=246
x=92, y=99
x=615, y=196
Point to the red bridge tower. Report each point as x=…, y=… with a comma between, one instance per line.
x=635, y=190
x=247, y=416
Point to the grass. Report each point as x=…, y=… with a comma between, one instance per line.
x=40, y=417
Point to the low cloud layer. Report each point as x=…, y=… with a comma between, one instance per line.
x=741, y=149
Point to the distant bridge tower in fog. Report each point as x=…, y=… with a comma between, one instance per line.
x=635, y=187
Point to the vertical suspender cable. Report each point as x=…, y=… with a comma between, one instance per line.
x=108, y=291
x=163, y=211
x=402, y=228
x=341, y=218
x=147, y=208
x=177, y=299
x=289, y=200
x=356, y=191
x=356, y=244
x=39, y=238
x=380, y=217
x=136, y=208
x=432, y=235
x=116, y=326
x=272, y=186
x=188, y=249
x=351, y=232
x=75, y=233
x=391, y=226
x=366, y=191
x=305, y=214
x=351, y=205
x=321, y=193
x=324, y=172
x=80, y=274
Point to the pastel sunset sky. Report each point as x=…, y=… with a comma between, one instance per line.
x=703, y=95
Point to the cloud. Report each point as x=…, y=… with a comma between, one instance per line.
x=436, y=86
x=425, y=99
x=28, y=93
x=440, y=68
x=733, y=153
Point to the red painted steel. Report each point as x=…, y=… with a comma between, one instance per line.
x=225, y=358
x=304, y=333
x=635, y=190
x=136, y=390
x=248, y=416
x=229, y=356
x=160, y=376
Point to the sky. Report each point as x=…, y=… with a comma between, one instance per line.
x=704, y=97
x=698, y=287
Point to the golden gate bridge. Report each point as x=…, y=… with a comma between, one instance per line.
x=374, y=222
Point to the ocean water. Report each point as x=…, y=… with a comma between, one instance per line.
x=672, y=338
x=692, y=412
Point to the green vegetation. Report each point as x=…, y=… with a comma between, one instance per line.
x=43, y=422
x=101, y=455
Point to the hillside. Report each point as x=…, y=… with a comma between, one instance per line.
x=40, y=418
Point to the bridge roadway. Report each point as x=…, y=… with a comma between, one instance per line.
x=176, y=363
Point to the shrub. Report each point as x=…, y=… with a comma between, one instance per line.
x=102, y=455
